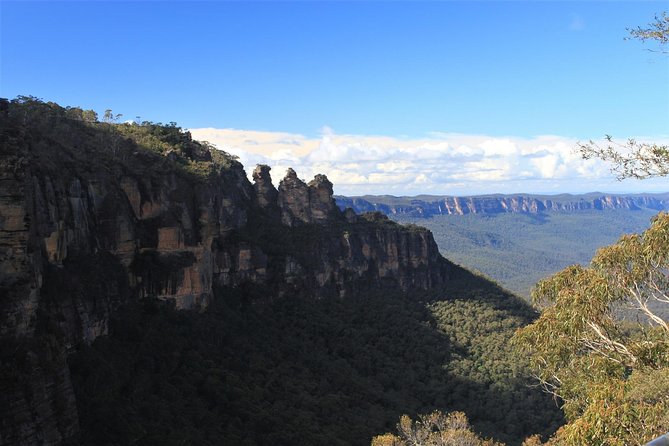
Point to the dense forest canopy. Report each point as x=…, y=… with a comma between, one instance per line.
x=311, y=372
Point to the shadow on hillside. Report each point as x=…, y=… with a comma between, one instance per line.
x=302, y=371
x=538, y=218
x=479, y=317
x=465, y=284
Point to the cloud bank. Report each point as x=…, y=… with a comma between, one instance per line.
x=439, y=164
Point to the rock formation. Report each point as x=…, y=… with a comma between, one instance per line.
x=302, y=203
x=266, y=193
x=294, y=200
x=84, y=229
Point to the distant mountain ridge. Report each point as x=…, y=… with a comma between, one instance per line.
x=428, y=205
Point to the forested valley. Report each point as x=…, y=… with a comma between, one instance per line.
x=300, y=371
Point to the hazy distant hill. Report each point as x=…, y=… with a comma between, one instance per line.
x=429, y=205
x=519, y=239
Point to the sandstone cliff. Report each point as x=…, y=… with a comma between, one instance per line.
x=93, y=215
x=495, y=204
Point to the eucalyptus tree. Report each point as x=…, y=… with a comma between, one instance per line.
x=601, y=344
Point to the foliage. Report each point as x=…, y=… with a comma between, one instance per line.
x=304, y=371
x=109, y=117
x=435, y=429
x=610, y=373
x=599, y=363
x=77, y=136
x=657, y=31
x=479, y=320
x=633, y=159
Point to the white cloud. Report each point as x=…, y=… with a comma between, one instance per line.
x=548, y=165
x=393, y=166
x=440, y=163
x=499, y=148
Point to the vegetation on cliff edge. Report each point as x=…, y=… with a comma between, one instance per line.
x=77, y=136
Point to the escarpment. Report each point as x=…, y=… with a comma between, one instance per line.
x=93, y=215
x=497, y=204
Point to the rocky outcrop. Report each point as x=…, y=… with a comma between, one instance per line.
x=266, y=193
x=294, y=200
x=84, y=229
x=374, y=255
x=303, y=203
x=322, y=206
x=419, y=207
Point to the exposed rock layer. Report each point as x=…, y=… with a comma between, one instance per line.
x=89, y=220
x=427, y=207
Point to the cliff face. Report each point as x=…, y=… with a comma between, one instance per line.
x=93, y=215
x=416, y=207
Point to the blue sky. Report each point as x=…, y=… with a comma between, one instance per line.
x=410, y=71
